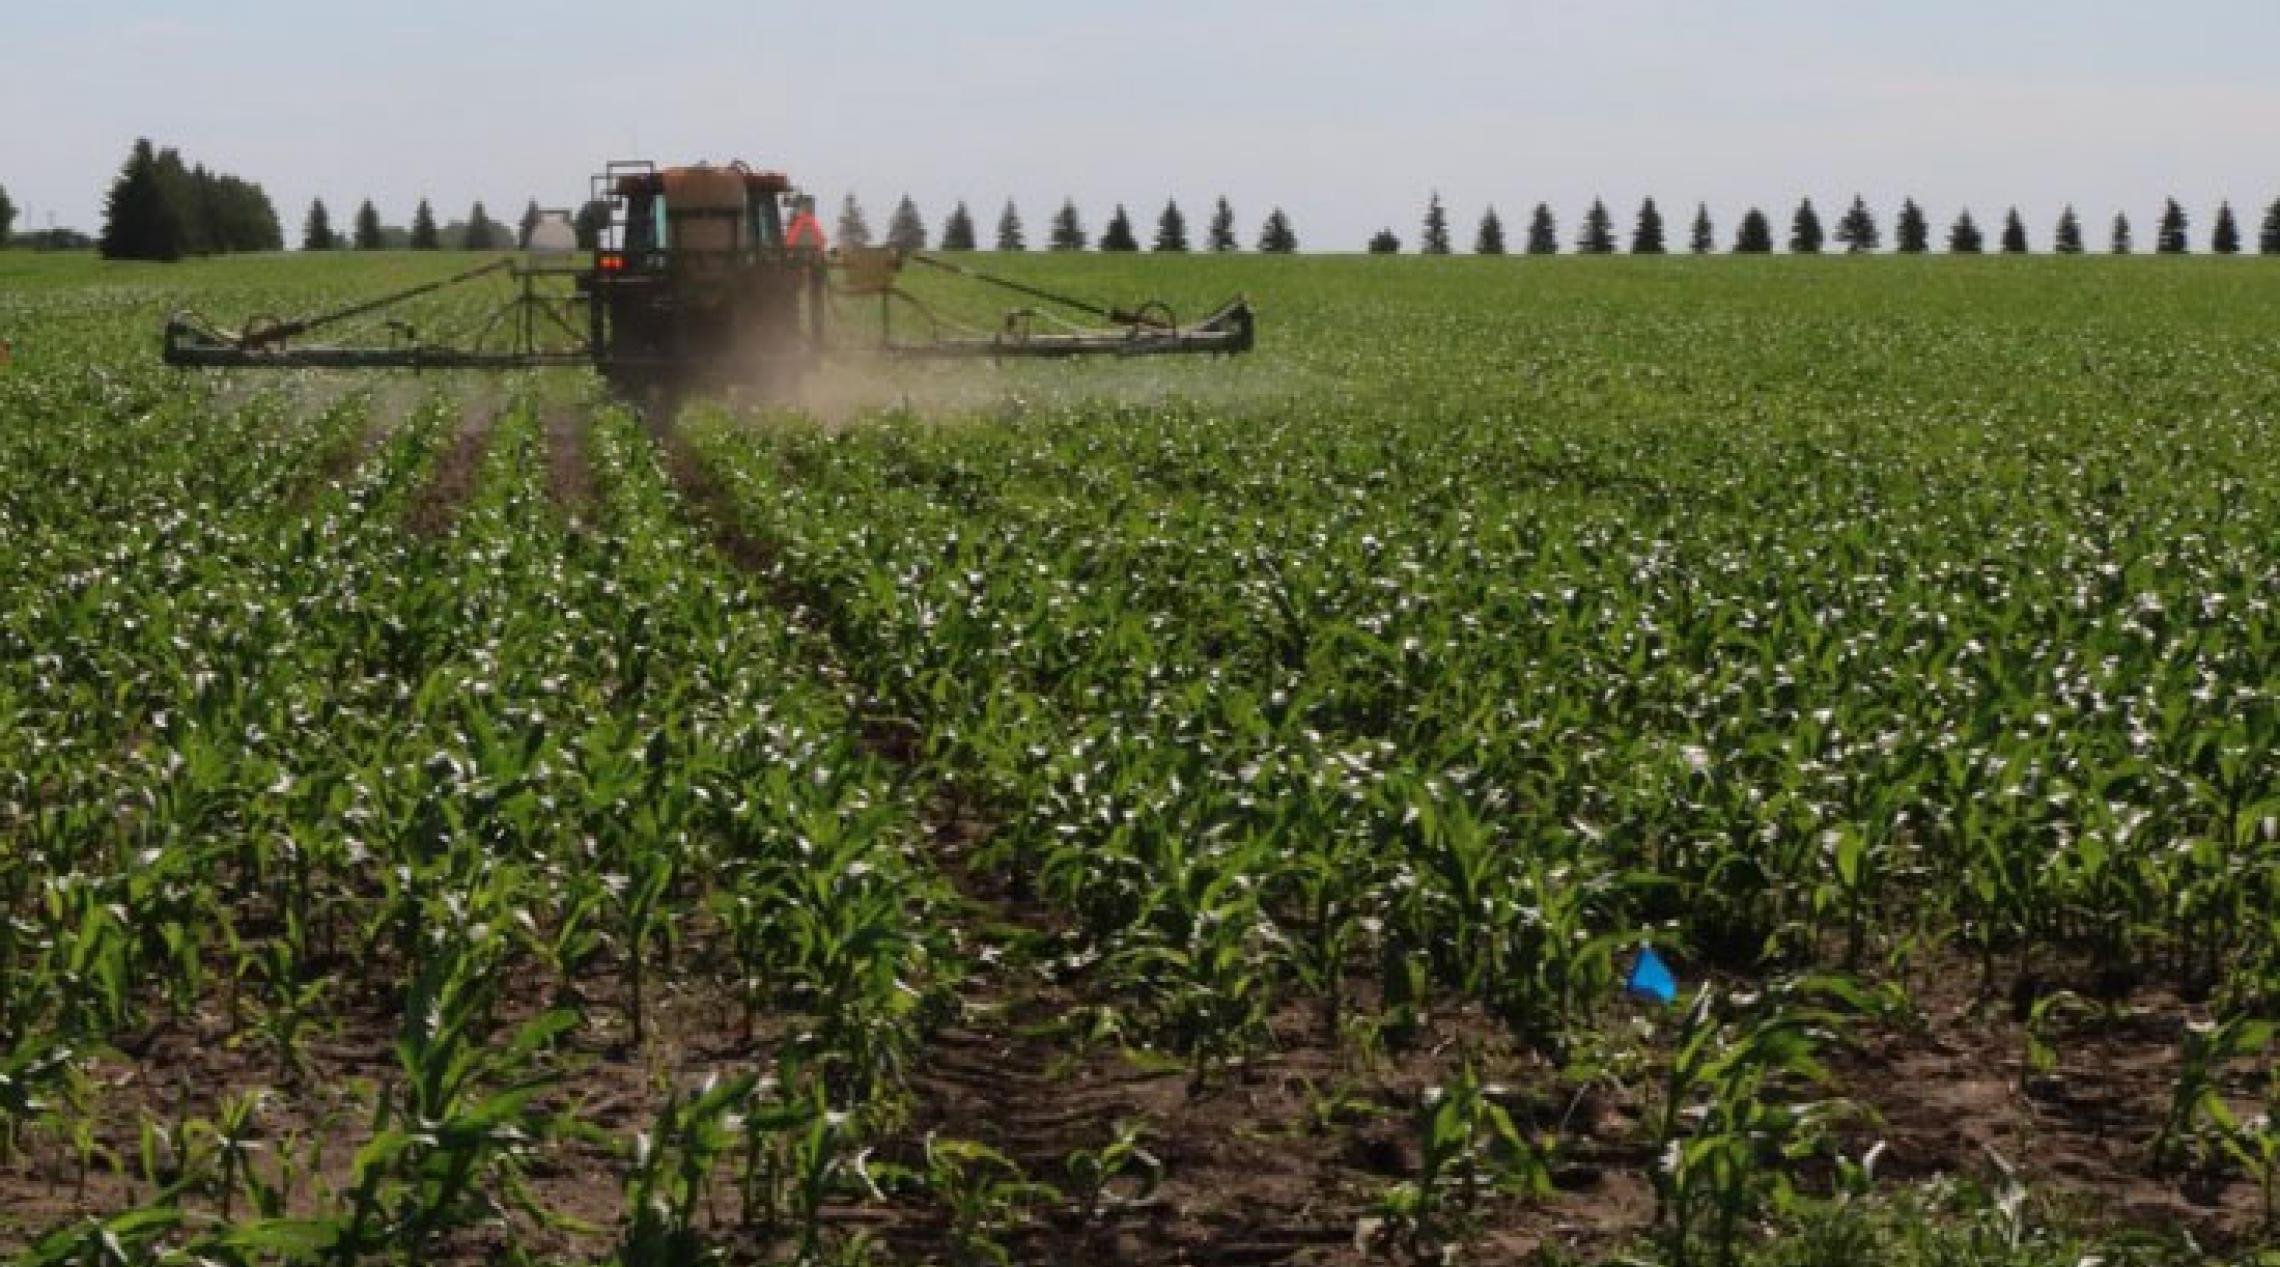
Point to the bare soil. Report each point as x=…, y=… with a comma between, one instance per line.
x=569, y=475
x=435, y=509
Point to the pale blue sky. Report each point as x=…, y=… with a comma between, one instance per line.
x=1345, y=113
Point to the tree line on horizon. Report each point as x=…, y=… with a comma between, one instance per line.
x=1858, y=231
x=162, y=208
x=907, y=231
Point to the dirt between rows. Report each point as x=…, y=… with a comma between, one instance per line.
x=1280, y=1159
x=435, y=509
x=569, y=476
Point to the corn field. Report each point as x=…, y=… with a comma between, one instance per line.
x=1204, y=814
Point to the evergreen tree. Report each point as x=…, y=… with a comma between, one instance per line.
x=1805, y=234
x=368, y=235
x=316, y=230
x=1435, y=239
x=7, y=218
x=854, y=226
x=1647, y=231
x=1171, y=229
x=1222, y=235
x=138, y=221
x=1118, y=235
x=1913, y=232
x=1383, y=242
x=2268, y=238
x=906, y=231
x=592, y=223
x=424, y=235
x=2068, y=239
x=958, y=230
x=527, y=225
x=212, y=212
x=1704, y=239
x=1598, y=237
x=1857, y=230
x=1277, y=237
x=2123, y=243
x=1068, y=228
x=2014, y=233
x=1543, y=232
x=1490, y=239
x=1755, y=237
x=2172, y=240
x=1965, y=238
x=182, y=187
x=1009, y=234
x=482, y=232
x=2226, y=239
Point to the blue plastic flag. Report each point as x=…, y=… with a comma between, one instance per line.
x=1651, y=978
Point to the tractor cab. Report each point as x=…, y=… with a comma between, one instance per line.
x=711, y=215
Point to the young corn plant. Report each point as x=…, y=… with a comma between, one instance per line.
x=986, y=1197
x=1468, y=1148
x=1728, y=1125
x=672, y=1171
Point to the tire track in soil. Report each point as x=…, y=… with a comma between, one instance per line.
x=1239, y=1190
x=387, y=411
x=435, y=509
x=569, y=475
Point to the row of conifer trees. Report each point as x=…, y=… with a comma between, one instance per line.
x=1858, y=230
x=906, y=230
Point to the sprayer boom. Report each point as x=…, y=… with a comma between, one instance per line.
x=710, y=276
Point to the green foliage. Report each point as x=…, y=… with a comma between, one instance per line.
x=1598, y=235
x=1362, y=686
x=2225, y=238
x=2172, y=238
x=2014, y=233
x=369, y=235
x=1277, y=237
x=481, y=232
x=1433, y=239
x=1171, y=230
x=1490, y=239
x=906, y=229
x=1118, y=236
x=1856, y=230
x=958, y=230
x=1009, y=235
x=1647, y=233
x=1221, y=236
x=1964, y=237
x=140, y=221
x=160, y=208
x=317, y=231
x=1543, y=232
x=1755, y=236
x=1805, y=234
x=425, y=236
x=1068, y=232
x=854, y=228
x=2067, y=240
x=1913, y=233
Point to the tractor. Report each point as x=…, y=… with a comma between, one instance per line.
x=709, y=277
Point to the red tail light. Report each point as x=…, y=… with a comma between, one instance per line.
x=611, y=263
